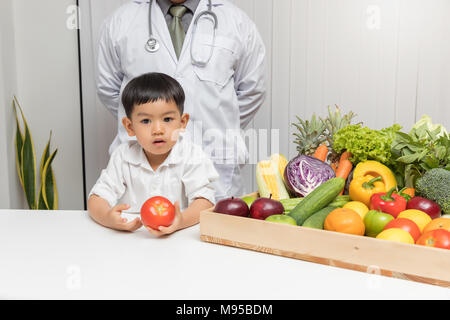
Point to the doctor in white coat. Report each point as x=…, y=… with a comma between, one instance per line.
x=222, y=71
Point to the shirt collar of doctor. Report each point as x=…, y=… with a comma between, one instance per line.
x=137, y=156
x=166, y=4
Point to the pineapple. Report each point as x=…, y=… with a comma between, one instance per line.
x=333, y=123
x=310, y=135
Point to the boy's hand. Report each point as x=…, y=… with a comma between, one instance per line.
x=116, y=221
x=176, y=224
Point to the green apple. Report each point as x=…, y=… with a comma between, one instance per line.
x=249, y=200
x=375, y=221
x=282, y=218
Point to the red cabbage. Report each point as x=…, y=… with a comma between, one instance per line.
x=304, y=173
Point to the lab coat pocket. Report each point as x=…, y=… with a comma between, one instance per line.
x=220, y=67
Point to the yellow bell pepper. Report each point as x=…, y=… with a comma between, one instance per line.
x=375, y=169
x=362, y=188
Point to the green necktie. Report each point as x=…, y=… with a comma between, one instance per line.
x=176, y=28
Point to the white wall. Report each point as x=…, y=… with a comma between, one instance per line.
x=100, y=127
x=10, y=189
x=386, y=60
x=43, y=63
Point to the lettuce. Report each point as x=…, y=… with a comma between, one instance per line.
x=365, y=143
x=426, y=147
x=424, y=129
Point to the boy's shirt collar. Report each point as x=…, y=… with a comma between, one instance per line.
x=136, y=155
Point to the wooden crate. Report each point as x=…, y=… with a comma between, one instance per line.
x=393, y=259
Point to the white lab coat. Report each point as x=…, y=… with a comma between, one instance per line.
x=224, y=95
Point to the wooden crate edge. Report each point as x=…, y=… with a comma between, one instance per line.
x=253, y=245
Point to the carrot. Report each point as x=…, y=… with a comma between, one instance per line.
x=344, y=167
x=345, y=156
x=321, y=152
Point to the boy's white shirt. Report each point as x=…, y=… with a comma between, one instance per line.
x=186, y=174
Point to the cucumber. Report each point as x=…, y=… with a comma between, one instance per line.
x=340, y=201
x=289, y=204
x=318, y=199
x=317, y=219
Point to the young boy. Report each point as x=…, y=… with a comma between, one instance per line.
x=162, y=161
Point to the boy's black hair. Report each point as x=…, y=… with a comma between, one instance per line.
x=151, y=87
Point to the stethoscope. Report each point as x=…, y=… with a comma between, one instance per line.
x=152, y=45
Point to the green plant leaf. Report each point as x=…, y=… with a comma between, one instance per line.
x=409, y=158
x=441, y=152
x=411, y=176
x=28, y=165
x=430, y=163
x=41, y=203
x=49, y=191
x=18, y=144
x=29, y=169
x=403, y=137
x=45, y=156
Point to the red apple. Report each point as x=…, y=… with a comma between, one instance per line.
x=262, y=208
x=429, y=207
x=232, y=206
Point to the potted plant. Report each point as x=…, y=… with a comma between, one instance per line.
x=47, y=196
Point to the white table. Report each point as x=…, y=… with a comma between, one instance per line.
x=66, y=255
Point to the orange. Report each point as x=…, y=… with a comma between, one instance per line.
x=438, y=223
x=345, y=221
x=396, y=234
x=419, y=217
x=357, y=206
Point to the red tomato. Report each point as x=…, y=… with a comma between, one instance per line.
x=156, y=212
x=405, y=224
x=438, y=238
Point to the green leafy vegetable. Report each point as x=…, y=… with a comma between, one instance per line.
x=423, y=125
x=365, y=143
x=426, y=147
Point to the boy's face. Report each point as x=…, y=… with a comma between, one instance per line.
x=156, y=126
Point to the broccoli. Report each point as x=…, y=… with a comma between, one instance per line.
x=435, y=185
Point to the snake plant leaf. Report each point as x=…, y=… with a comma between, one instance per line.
x=29, y=168
x=41, y=203
x=18, y=144
x=45, y=156
x=28, y=165
x=49, y=191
